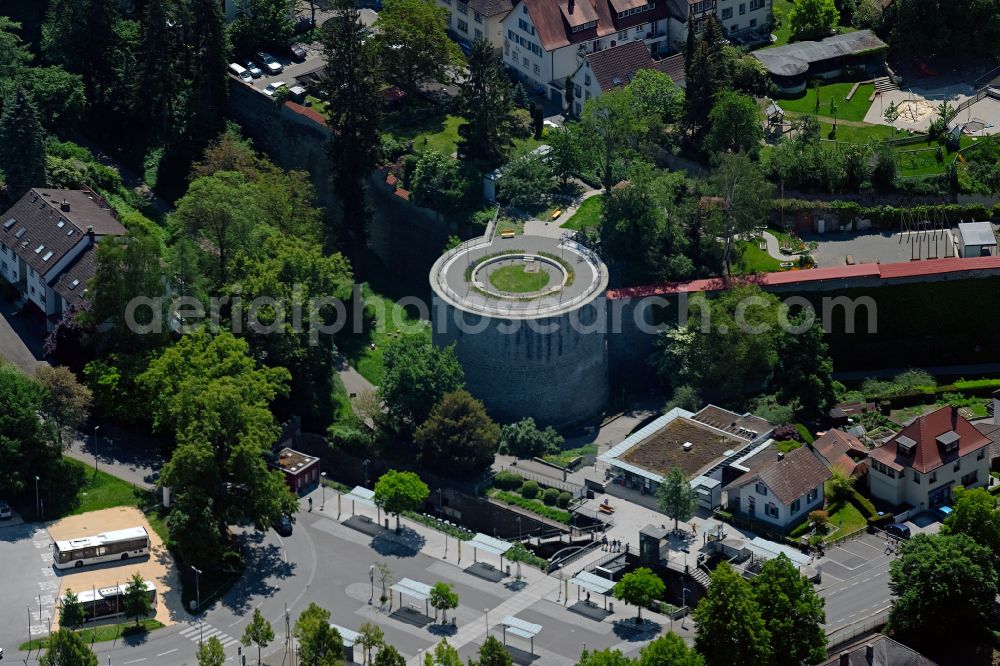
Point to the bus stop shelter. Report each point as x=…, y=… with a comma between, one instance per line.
x=415, y=589
x=522, y=629
x=592, y=583
x=362, y=495
x=350, y=639
x=490, y=545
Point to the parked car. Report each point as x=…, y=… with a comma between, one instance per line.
x=297, y=52
x=898, y=530
x=272, y=88
x=254, y=70
x=284, y=526
x=270, y=65
x=242, y=72
x=304, y=24
x=5, y=511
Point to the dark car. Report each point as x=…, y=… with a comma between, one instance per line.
x=466, y=47
x=297, y=52
x=898, y=530
x=304, y=24
x=284, y=526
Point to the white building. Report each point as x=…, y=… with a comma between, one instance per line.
x=614, y=67
x=49, y=234
x=544, y=40
x=477, y=19
x=781, y=491
x=976, y=239
x=921, y=465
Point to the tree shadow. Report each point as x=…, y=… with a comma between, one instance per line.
x=263, y=562
x=630, y=630
x=443, y=630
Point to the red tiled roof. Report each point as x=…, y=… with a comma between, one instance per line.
x=910, y=269
x=553, y=20
x=311, y=114
x=834, y=447
x=614, y=67
x=927, y=454
x=673, y=67
x=789, y=477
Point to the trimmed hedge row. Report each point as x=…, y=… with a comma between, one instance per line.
x=850, y=211
x=557, y=515
x=977, y=387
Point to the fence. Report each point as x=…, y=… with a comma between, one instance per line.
x=861, y=627
x=853, y=534
x=571, y=488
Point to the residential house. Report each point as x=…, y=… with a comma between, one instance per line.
x=878, y=650
x=702, y=445
x=742, y=17
x=612, y=68
x=921, y=464
x=991, y=428
x=782, y=491
x=840, y=450
x=544, y=40
x=477, y=19
x=49, y=234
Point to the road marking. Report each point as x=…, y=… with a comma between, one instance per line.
x=187, y=632
x=167, y=652
x=135, y=661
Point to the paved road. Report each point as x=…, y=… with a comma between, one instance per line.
x=855, y=582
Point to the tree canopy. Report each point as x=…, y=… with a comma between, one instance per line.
x=320, y=644
x=639, y=588
x=675, y=497
x=416, y=375
x=813, y=19
x=792, y=612
x=397, y=492
x=458, y=438
x=414, y=43
x=729, y=610
x=67, y=648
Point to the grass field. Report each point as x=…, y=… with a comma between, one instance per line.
x=516, y=280
x=756, y=260
x=784, y=34
x=102, y=633
x=564, y=457
x=391, y=321
x=587, y=215
x=854, y=110
x=846, y=518
x=440, y=133
x=99, y=491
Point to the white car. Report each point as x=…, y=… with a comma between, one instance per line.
x=5, y=514
x=272, y=88
x=271, y=66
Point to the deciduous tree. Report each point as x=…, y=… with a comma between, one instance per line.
x=258, y=632
x=675, y=497
x=975, y=514
x=792, y=612
x=66, y=648
x=389, y=656
x=414, y=43
x=527, y=181
x=736, y=125
x=397, y=492
x=443, y=598
x=416, y=375
x=71, y=611
x=458, y=438
x=524, y=439
x=813, y=19
x=67, y=402
x=319, y=643
x=211, y=653
x=669, y=649
x=136, y=600
x=492, y=653
x=731, y=631
x=744, y=199
x=639, y=588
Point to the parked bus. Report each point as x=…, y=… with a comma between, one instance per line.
x=105, y=602
x=117, y=545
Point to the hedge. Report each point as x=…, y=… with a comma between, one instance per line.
x=849, y=211
x=550, y=496
x=529, y=490
x=807, y=436
x=557, y=515
x=863, y=504
x=507, y=480
x=995, y=489
x=884, y=519
x=920, y=394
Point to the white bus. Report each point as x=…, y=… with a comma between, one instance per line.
x=105, y=602
x=117, y=545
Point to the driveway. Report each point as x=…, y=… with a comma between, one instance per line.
x=21, y=338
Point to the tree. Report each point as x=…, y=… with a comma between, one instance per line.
x=639, y=588
x=415, y=376
x=211, y=653
x=22, y=145
x=675, y=497
x=975, y=514
x=437, y=182
x=840, y=485
x=350, y=88
x=319, y=643
x=485, y=101
x=14, y=54
x=414, y=43
x=442, y=599
x=58, y=96
x=67, y=401
x=944, y=586
x=80, y=35
x=745, y=199
x=372, y=637
x=671, y=650
x=524, y=439
x=384, y=574
x=258, y=632
x=804, y=369
x=705, y=69
x=262, y=22
x=526, y=182
x=388, y=656
x=606, y=657
x=885, y=170
x=730, y=611
x=567, y=157
x=156, y=84
x=397, y=492
x=792, y=612
x=813, y=19
x=517, y=554
x=657, y=96
x=71, y=613
x=25, y=443
x=443, y=655
x=614, y=127
x=458, y=438
x=66, y=648
x=492, y=653
x=136, y=600
x=736, y=125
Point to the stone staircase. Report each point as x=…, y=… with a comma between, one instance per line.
x=701, y=577
x=884, y=84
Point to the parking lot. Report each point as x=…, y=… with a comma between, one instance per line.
x=886, y=248
x=30, y=584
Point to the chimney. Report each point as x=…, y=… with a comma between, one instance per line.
x=781, y=455
x=870, y=653
x=90, y=233
x=572, y=6
x=845, y=658
x=64, y=206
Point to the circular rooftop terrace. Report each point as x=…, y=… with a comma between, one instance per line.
x=522, y=277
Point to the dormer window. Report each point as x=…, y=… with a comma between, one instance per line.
x=906, y=445
x=948, y=441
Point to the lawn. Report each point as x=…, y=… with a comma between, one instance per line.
x=784, y=33
x=99, y=491
x=846, y=518
x=854, y=110
x=102, y=633
x=432, y=132
x=863, y=134
x=566, y=456
x=515, y=279
x=587, y=215
x=756, y=260
x=364, y=349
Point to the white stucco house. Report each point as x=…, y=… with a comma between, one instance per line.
x=922, y=463
x=780, y=491
x=477, y=19
x=612, y=68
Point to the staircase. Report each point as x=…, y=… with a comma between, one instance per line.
x=884, y=84
x=701, y=577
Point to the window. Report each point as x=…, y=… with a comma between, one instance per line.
x=577, y=90
x=525, y=26
x=727, y=13
x=622, y=35
x=916, y=477
x=538, y=70
x=771, y=509
x=525, y=61
x=597, y=45
x=479, y=33
x=958, y=465
x=760, y=488
x=970, y=478
x=812, y=495
x=981, y=454
x=933, y=477
x=743, y=8
x=586, y=80
x=463, y=8
x=586, y=95
x=753, y=23
x=477, y=17
x=796, y=505
x=463, y=25
x=585, y=26
x=524, y=9
x=510, y=35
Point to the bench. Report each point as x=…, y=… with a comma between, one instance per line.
x=508, y=233
x=556, y=213
x=606, y=508
x=850, y=260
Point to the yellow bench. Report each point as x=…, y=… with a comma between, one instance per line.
x=508, y=233
x=556, y=213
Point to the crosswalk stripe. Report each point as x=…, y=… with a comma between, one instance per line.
x=189, y=630
x=228, y=642
x=211, y=632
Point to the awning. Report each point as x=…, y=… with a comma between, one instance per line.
x=489, y=544
x=412, y=588
x=520, y=627
x=592, y=582
x=349, y=637
x=361, y=494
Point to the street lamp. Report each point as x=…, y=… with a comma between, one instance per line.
x=371, y=579
x=96, y=429
x=365, y=464
x=38, y=504
x=197, y=588
x=487, y=611
x=519, y=528
x=684, y=593
x=322, y=484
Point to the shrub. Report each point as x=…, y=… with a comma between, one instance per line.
x=784, y=433
x=551, y=513
x=507, y=480
x=805, y=435
x=529, y=490
x=884, y=519
x=819, y=517
x=863, y=504
x=550, y=496
x=565, y=498
x=393, y=148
